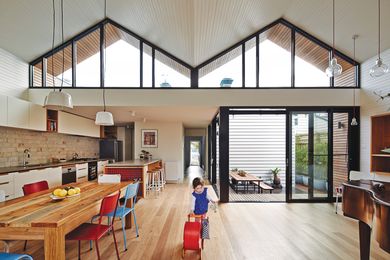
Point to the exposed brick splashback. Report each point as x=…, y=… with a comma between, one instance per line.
x=43, y=146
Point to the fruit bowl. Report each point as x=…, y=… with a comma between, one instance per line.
x=67, y=192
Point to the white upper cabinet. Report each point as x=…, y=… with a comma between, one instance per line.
x=3, y=110
x=18, y=113
x=37, y=117
x=77, y=125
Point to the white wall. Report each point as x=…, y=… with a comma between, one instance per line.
x=370, y=107
x=203, y=97
x=13, y=75
x=170, y=142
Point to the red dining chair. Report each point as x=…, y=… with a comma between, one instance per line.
x=90, y=231
x=33, y=188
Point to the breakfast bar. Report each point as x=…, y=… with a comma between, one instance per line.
x=133, y=169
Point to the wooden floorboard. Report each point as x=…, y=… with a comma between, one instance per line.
x=238, y=231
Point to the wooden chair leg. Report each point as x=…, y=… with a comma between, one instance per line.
x=116, y=246
x=97, y=249
x=183, y=253
x=25, y=245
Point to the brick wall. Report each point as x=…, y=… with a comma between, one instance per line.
x=43, y=146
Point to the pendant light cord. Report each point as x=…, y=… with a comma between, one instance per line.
x=62, y=39
x=333, y=36
x=104, y=74
x=354, y=62
x=52, y=43
x=379, y=29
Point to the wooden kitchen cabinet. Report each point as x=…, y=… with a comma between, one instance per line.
x=53, y=176
x=18, y=111
x=81, y=172
x=7, y=185
x=77, y=125
x=37, y=117
x=3, y=110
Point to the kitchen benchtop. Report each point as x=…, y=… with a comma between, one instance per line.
x=5, y=170
x=133, y=163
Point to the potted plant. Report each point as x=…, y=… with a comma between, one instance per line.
x=276, y=177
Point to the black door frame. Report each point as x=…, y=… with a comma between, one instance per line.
x=353, y=147
x=353, y=144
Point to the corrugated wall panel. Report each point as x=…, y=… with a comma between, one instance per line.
x=13, y=75
x=257, y=144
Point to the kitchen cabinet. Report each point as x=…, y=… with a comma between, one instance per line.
x=53, y=176
x=101, y=165
x=37, y=117
x=82, y=172
x=3, y=110
x=7, y=185
x=77, y=125
x=18, y=111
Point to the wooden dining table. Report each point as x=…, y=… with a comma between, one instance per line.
x=38, y=217
x=247, y=179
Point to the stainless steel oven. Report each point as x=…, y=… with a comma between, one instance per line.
x=68, y=174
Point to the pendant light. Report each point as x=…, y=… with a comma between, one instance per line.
x=354, y=121
x=104, y=117
x=58, y=100
x=379, y=68
x=334, y=68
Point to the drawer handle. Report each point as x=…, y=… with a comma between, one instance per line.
x=82, y=177
x=7, y=196
x=82, y=169
x=3, y=183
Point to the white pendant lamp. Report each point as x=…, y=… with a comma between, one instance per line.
x=380, y=68
x=104, y=117
x=354, y=121
x=334, y=69
x=58, y=100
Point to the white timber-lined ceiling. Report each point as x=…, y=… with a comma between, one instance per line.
x=193, y=30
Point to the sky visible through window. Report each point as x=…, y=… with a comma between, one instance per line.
x=123, y=70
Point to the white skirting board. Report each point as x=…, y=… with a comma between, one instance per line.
x=173, y=173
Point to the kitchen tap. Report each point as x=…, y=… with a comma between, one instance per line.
x=75, y=156
x=26, y=156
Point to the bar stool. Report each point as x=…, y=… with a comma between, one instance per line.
x=162, y=175
x=153, y=181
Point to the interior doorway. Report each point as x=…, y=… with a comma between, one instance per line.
x=194, y=151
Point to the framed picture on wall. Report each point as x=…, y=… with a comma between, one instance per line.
x=149, y=138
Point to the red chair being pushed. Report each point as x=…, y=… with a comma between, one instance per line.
x=89, y=231
x=192, y=237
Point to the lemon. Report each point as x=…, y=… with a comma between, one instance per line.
x=78, y=190
x=71, y=192
x=56, y=192
x=62, y=193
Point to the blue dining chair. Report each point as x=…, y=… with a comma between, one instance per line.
x=123, y=211
x=7, y=256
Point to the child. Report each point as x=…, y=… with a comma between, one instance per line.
x=200, y=198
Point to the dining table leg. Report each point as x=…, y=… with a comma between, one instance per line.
x=54, y=243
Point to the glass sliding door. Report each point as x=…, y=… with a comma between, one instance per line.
x=309, y=155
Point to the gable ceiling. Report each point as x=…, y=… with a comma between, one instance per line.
x=193, y=30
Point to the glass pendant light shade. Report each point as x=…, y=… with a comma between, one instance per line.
x=379, y=69
x=334, y=68
x=58, y=100
x=354, y=121
x=104, y=118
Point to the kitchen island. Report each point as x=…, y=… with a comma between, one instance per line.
x=133, y=169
